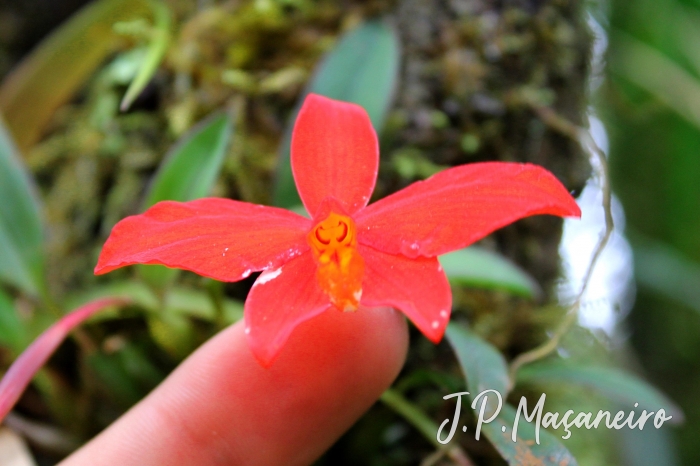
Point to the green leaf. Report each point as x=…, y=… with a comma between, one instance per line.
x=422, y=422
x=363, y=69
x=13, y=333
x=179, y=301
x=59, y=66
x=525, y=450
x=115, y=379
x=666, y=271
x=21, y=235
x=612, y=383
x=413, y=414
x=172, y=332
x=478, y=267
x=648, y=446
x=188, y=172
x=160, y=40
x=135, y=291
x=196, y=304
x=192, y=166
x=485, y=369
x=482, y=364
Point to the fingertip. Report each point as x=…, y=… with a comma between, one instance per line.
x=222, y=407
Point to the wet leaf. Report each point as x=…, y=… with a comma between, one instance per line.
x=21, y=234
x=363, y=69
x=478, y=267
x=612, y=383
x=59, y=66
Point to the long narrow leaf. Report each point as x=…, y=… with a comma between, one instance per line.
x=52, y=73
x=190, y=169
x=157, y=47
x=13, y=333
x=23, y=369
x=21, y=233
x=475, y=266
x=485, y=369
x=614, y=384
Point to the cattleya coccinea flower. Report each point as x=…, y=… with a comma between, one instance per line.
x=348, y=255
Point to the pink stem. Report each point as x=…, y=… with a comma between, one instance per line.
x=30, y=361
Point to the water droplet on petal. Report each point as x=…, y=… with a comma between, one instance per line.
x=435, y=324
x=268, y=275
x=247, y=330
x=444, y=314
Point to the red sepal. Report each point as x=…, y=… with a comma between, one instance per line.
x=334, y=153
x=281, y=299
x=417, y=287
x=459, y=206
x=218, y=238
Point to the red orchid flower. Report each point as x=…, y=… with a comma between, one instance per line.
x=348, y=255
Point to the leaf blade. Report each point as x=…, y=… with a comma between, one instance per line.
x=613, y=383
x=479, y=267
x=485, y=369
x=154, y=53
x=184, y=175
x=52, y=73
x=21, y=231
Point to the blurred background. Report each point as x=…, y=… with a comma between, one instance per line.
x=108, y=105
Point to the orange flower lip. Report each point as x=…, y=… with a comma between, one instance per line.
x=340, y=267
x=334, y=232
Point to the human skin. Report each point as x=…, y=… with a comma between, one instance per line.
x=221, y=407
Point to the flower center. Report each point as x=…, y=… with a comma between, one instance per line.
x=340, y=267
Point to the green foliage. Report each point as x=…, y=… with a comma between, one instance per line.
x=52, y=74
x=649, y=103
x=159, y=41
x=192, y=166
x=12, y=330
x=481, y=268
x=612, y=383
x=484, y=368
x=21, y=231
x=525, y=450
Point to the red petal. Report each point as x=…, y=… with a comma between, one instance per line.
x=28, y=363
x=280, y=300
x=218, y=238
x=458, y=206
x=334, y=153
x=417, y=287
